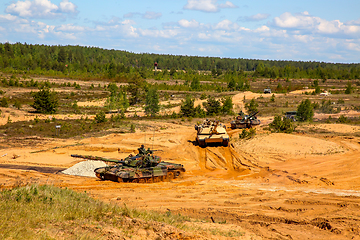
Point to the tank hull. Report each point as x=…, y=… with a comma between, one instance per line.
x=164, y=171
x=241, y=124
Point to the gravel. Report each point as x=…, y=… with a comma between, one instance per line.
x=85, y=168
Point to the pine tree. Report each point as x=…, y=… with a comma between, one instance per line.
x=187, y=108
x=305, y=111
x=152, y=102
x=45, y=101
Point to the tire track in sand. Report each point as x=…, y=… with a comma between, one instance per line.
x=225, y=158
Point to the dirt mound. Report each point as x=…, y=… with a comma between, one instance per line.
x=338, y=128
x=85, y=168
x=288, y=145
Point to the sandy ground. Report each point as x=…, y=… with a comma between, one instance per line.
x=274, y=186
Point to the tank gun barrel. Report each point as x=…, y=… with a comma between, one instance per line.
x=253, y=114
x=96, y=158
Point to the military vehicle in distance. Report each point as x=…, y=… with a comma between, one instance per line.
x=291, y=115
x=267, y=91
x=245, y=121
x=141, y=168
x=211, y=132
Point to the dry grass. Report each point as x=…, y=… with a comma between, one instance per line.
x=48, y=212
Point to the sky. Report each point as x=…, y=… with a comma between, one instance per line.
x=305, y=30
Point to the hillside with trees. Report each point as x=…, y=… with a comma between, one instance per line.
x=87, y=63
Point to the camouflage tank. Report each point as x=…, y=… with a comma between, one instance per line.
x=211, y=132
x=143, y=168
x=245, y=121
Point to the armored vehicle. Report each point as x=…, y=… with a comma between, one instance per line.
x=141, y=168
x=267, y=90
x=291, y=115
x=245, y=121
x=211, y=132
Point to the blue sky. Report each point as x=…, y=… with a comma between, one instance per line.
x=316, y=30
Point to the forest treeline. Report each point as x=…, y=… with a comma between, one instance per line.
x=95, y=63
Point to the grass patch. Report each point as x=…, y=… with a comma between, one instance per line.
x=69, y=128
x=48, y=212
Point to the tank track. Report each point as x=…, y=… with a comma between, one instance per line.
x=170, y=175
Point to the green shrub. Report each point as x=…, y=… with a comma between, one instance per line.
x=272, y=99
x=132, y=128
x=17, y=104
x=203, y=96
x=282, y=125
x=187, y=108
x=4, y=102
x=100, y=117
x=305, y=111
x=45, y=101
x=36, y=119
x=212, y=106
x=174, y=115
x=247, y=134
x=252, y=106
x=348, y=89
x=341, y=101
x=343, y=119
x=227, y=107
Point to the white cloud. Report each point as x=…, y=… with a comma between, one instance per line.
x=188, y=24
x=202, y=5
x=152, y=15
x=127, y=22
x=303, y=38
x=67, y=7
x=315, y=25
x=170, y=33
x=263, y=29
x=204, y=36
x=70, y=28
x=207, y=5
x=257, y=17
x=7, y=18
x=40, y=8
x=146, y=15
x=227, y=25
x=327, y=27
x=227, y=5
x=130, y=15
x=353, y=46
x=287, y=20
x=352, y=29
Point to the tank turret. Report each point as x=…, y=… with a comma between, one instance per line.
x=245, y=121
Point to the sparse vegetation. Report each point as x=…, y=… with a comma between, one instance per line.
x=247, y=134
x=34, y=212
x=282, y=125
x=252, y=106
x=129, y=88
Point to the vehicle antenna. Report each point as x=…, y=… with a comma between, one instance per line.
x=145, y=138
x=153, y=137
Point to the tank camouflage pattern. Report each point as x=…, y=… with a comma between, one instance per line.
x=141, y=168
x=245, y=121
x=211, y=132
